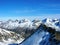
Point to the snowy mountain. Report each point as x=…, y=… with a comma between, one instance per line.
x=7, y=37
x=35, y=38
x=14, y=31
x=27, y=24
x=53, y=23
x=18, y=24
x=42, y=36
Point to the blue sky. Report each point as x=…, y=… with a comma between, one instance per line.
x=29, y=8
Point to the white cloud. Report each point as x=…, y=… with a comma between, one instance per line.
x=23, y=11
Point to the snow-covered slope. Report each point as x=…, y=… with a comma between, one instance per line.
x=53, y=23
x=7, y=37
x=41, y=37
x=36, y=38
x=7, y=34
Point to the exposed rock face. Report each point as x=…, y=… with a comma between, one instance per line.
x=57, y=36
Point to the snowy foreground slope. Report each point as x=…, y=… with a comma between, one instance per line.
x=7, y=37
x=15, y=31
x=36, y=38
x=41, y=37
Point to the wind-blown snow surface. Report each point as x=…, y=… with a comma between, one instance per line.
x=13, y=26
x=36, y=38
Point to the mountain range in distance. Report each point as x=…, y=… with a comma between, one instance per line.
x=15, y=31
